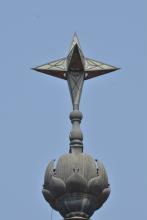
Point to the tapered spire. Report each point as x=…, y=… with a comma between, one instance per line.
x=77, y=185
x=75, y=68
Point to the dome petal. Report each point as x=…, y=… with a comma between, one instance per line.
x=48, y=173
x=49, y=197
x=102, y=173
x=76, y=183
x=103, y=197
x=95, y=186
x=57, y=186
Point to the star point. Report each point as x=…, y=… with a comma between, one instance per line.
x=75, y=41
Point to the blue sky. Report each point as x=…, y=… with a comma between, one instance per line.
x=34, y=108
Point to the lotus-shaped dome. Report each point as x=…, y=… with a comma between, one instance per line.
x=77, y=186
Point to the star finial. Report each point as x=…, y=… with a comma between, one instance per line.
x=75, y=68
x=59, y=68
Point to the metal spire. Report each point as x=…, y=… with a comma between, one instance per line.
x=77, y=185
x=75, y=68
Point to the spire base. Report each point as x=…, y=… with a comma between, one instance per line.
x=76, y=136
x=76, y=218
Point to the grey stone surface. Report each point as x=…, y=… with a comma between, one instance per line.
x=77, y=186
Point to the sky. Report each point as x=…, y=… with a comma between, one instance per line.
x=34, y=107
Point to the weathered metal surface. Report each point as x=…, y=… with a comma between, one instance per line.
x=75, y=82
x=77, y=186
x=75, y=61
x=59, y=68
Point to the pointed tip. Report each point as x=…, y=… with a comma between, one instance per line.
x=34, y=68
x=75, y=35
x=116, y=68
x=75, y=41
x=113, y=68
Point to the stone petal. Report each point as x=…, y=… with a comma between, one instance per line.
x=76, y=183
x=83, y=162
x=48, y=173
x=57, y=186
x=49, y=198
x=103, y=197
x=102, y=173
x=95, y=186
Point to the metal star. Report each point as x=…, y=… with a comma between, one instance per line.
x=75, y=61
x=75, y=68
